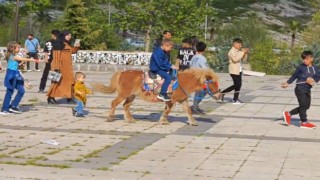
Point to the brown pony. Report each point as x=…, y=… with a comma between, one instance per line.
x=128, y=85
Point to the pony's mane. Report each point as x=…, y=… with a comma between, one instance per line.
x=201, y=74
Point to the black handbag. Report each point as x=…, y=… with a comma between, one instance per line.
x=55, y=75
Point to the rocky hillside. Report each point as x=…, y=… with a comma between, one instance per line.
x=276, y=14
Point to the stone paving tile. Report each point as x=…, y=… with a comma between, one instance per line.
x=230, y=142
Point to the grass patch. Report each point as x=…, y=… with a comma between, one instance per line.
x=76, y=160
x=77, y=144
x=95, y=152
x=53, y=152
x=33, y=99
x=103, y=169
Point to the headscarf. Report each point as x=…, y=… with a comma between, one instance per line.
x=59, y=45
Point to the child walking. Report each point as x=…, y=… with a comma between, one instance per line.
x=80, y=94
x=13, y=79
x=306, y=74
x=200, y=61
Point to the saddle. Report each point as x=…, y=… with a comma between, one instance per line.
x=153, y=82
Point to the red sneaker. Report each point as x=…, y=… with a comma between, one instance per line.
x=307, y=125
x=287, y=117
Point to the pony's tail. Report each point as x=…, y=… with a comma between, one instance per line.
x=107, y=89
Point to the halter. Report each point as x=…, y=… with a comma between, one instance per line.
x=208, y=91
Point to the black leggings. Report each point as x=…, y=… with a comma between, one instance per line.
x=237, y=83
x=304, y=100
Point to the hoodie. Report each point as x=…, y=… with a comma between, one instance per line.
x=159, y=60
x=302, y=73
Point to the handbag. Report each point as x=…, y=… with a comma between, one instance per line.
x=55, y=75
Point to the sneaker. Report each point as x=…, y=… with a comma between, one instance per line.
x=37, y=70
x=287, y=117
x=5, y=113
x=28, y=70
x=221, y=98
x=41, y=91
x=73, y=112
x=237, y=102
x=307, y=125
x=79, y=115
x=15, y=110
x=197, y=111
x=164, y=97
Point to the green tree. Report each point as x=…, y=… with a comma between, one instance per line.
x=75, y=20
x=294, y=27
x=250, y=30
x=150, y=16
x=263, y=58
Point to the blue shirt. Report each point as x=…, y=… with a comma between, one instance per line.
x=199, y=61
x=32, y=44
x=12, y=64
x=159, y=60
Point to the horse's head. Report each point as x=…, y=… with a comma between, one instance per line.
x=211, y=85
x=208, y=79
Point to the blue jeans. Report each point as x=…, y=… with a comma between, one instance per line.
x=79, y=107
x=167, y=80
x=19, y=85
x=198, y=97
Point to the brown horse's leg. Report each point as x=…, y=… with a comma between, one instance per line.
x=114, y=104
x=191, y=120
x=126, y=105
x=164, y=118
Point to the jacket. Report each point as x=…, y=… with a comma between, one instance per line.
x=302, y=73
x=235, y=57
x=159, y=60
x=81, y=87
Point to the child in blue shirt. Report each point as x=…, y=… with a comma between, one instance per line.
x=13, y=79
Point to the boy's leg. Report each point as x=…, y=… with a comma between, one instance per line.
x=20, y=94
x=304, y=103
x=28, y=66
x=230, y=88
x=237, y=81
x=198, y=96
x=7, y=99
x=44, y=77
x=166, y=83
x=79, y=107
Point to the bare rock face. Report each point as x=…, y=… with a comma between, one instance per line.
x=285, y=8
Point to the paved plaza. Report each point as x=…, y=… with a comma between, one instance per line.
x=238, y=142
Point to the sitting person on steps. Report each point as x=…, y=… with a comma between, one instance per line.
x=160, y=64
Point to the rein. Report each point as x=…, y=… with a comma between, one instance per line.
x=207, y=91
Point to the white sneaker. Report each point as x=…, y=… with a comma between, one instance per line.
x=5, y=113
x=237, y=102
x=29, y=70
x=38, y=70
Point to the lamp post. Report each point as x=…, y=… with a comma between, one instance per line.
x=17, y=21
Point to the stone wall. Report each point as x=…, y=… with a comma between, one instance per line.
x=102, y=57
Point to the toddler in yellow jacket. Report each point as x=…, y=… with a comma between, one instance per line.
x=80, y=94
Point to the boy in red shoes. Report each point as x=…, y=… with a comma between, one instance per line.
x=306, y=74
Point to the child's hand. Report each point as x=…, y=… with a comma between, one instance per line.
x=310, y=81
x=284, y=85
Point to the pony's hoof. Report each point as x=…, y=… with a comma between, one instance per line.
x=131, y=121
x=164, y=123
x=192, y=124
x=109, y=119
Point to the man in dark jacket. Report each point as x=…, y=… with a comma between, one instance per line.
x=48, y=58
x=160, y=64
